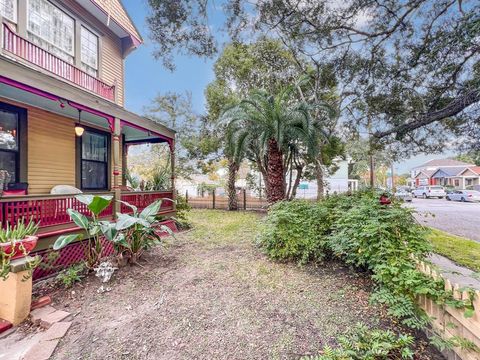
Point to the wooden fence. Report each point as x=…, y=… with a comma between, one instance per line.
x=450, y=322
x=214, y=201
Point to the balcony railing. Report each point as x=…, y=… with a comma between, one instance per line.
x=51, y=210
x=34, y=54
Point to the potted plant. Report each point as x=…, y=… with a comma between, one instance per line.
x=15, y=242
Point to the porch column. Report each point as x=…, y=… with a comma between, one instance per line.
x=172, y=160
x=117, y=130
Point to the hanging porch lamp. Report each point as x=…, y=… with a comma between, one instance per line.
x=79, y=129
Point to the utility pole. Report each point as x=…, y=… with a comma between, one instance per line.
x=370, y=153
x=393, y=177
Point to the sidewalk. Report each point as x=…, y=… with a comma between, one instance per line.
x=456, y=274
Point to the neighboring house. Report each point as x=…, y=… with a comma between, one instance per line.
x=421, y=175
x=457, y=177
x=62, y=75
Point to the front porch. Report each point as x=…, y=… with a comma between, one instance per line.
x=43, y=151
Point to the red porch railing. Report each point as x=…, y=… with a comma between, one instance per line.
x=142, y=199
x=34, y=54
x=47, y=210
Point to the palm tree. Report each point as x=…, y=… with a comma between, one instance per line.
x=270, y=127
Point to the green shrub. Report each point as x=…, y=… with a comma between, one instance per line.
x=384, y=240
x=296, y=230
x=182, y=210
x=364, y=344
x=70, y=276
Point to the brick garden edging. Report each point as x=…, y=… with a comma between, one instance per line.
x=448, y=321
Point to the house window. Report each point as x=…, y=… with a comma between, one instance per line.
x=457, y=182
x=10, y=146
x=51, y=28
x=8, y=9
x=94, y=161
x=89, y=45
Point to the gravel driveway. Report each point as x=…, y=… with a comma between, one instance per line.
x=462, y=219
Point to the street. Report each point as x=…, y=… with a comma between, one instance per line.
x=462, y=219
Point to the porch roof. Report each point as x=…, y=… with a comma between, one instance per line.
x=30, y=86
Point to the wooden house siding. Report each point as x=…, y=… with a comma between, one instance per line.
x=51, y=151
x=111, y=59
x=112, y=66
x=117, y=12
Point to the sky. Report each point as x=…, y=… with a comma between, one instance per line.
x=146, y=77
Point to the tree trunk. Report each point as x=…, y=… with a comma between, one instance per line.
x=275, y=173
x=319, y=177
x=299, y=169
x=232, y=192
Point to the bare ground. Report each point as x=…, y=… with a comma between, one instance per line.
x=211, y=294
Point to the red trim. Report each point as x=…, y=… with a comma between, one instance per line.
x=28, y=88
x=109, y=118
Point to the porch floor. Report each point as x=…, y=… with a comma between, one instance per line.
x=212, y=295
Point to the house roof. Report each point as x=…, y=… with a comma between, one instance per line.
x=451, y=171
x=444, y=163
x=426, y=173
x=475, y=169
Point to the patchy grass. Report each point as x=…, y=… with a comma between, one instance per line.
x=463, y=251
x=211, y=294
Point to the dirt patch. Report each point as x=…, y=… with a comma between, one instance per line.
x=212, y=295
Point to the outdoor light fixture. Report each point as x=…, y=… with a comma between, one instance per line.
x=79, y=129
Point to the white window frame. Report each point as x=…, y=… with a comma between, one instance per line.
x=15, y=11
x=82, y=63
x=72, y=52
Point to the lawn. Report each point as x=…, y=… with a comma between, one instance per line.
x=211, y=294
x=463, y=251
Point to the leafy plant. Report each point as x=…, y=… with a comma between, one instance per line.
x=367, y=344
x=296, y=230
x=12, y=234
x=182, y=209
x=73, y=274
x=18, y=231
x=138, y=231
x=385, y=241
x=93, y=227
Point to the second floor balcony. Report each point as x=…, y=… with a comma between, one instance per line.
x=25, y=50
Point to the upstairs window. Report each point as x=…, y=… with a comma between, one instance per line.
x=89, y=45
x=94, y=161
x=8, y=9
x=51, y=28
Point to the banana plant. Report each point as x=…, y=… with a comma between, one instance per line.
x=137, y=231
x=93, y=227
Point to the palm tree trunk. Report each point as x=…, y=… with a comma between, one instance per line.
x=275, y=173
x=232, y=192
x=299, y=169
x=319, y=177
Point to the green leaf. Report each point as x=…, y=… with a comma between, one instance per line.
x=167, y=230
x=64, y=240
x=78, y=218
x=124, y=221
x=108, y=229
x=99, y=203
x=469, y=313
x=151, y=211
x=96, y=204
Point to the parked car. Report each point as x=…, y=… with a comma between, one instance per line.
x=464, y=195
x=429, y=191
x=403, y=194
